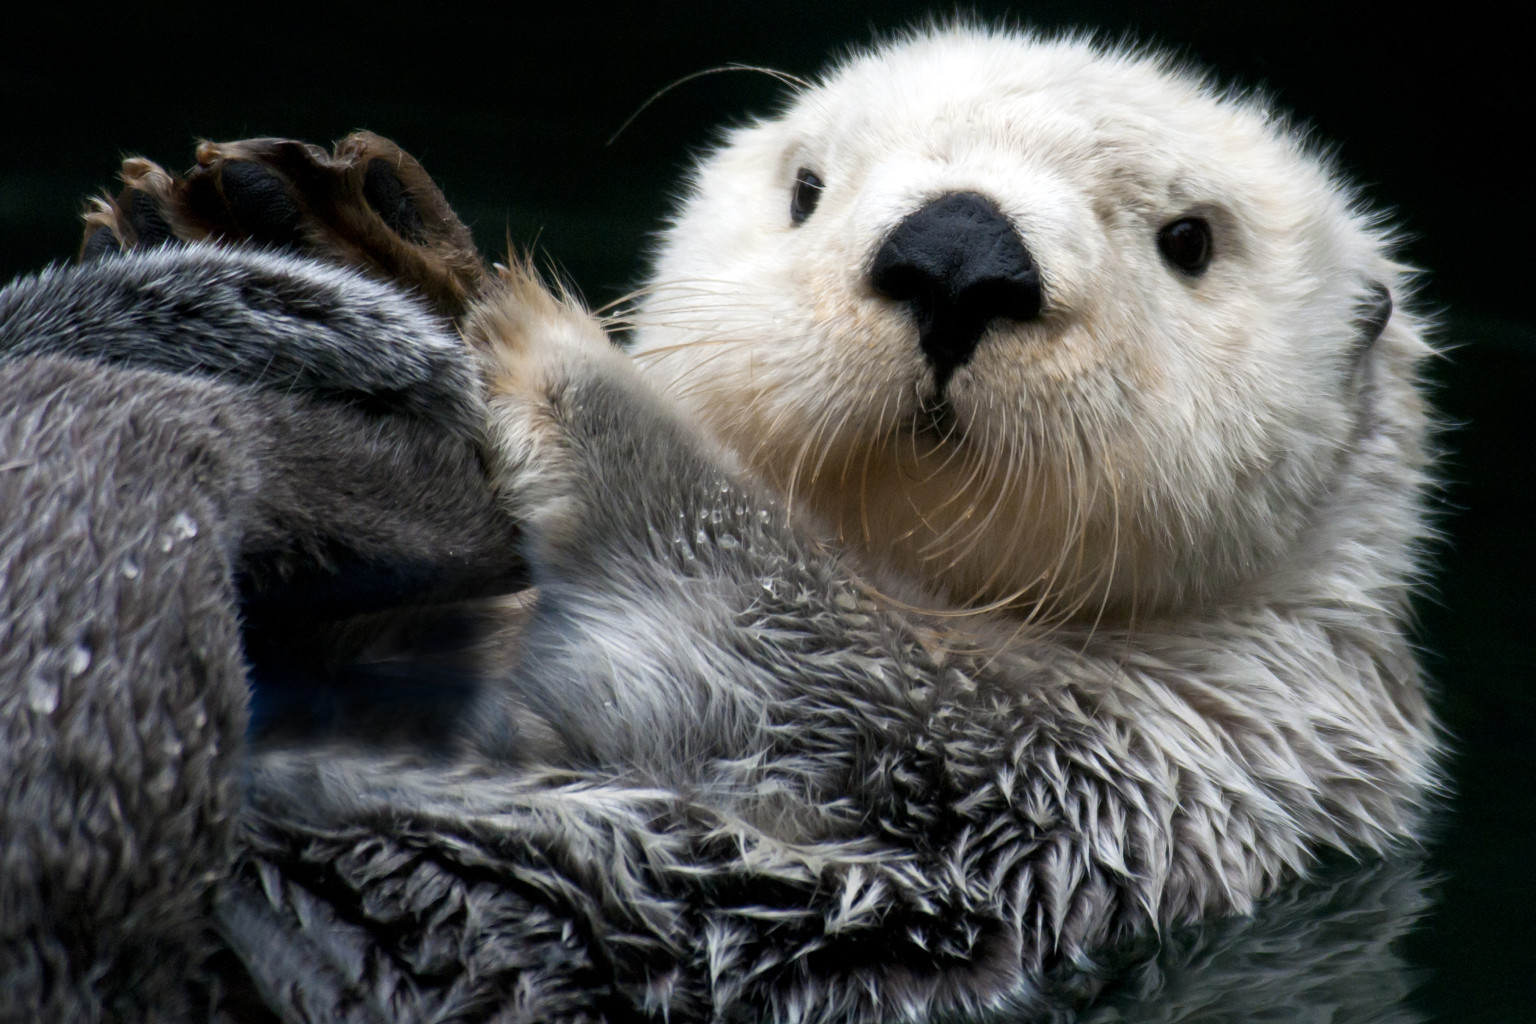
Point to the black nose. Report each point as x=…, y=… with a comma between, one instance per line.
x=959, y=264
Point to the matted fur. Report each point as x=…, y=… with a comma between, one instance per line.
x=196, y=446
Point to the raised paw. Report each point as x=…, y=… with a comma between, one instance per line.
x=368, y=205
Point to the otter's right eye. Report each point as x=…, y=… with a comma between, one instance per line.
x=806, y=195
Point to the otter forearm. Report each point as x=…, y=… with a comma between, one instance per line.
x=122, y=686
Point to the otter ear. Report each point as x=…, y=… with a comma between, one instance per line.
x=1371, y=316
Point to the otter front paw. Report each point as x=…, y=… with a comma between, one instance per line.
x=539, y=353
x=368, y=205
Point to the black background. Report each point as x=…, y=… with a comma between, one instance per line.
x=512, y=111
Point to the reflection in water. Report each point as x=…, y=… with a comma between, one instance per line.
x=1327, y=951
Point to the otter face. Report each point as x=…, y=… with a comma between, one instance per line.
x=1025, y=320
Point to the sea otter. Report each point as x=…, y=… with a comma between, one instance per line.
x=996, y=545
x=1018, y=467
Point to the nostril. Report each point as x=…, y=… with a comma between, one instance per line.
x=959, y=264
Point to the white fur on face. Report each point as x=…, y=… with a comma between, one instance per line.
x=1152, y=439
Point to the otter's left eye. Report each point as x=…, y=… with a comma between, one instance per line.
x=1186, y=243
x=806, y=195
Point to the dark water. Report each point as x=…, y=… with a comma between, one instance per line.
x=512, y=114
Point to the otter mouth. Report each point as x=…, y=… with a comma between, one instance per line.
x=935, y=420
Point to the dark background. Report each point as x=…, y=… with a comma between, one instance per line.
x=512, y=113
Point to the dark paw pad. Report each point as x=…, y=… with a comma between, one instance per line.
x=386, y=193
x=260, y=204
x=138, y=217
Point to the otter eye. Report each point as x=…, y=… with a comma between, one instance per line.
x=1186, y=243
x=806, y=195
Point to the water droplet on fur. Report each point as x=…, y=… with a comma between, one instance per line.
x=167, y=542
x=79, y=659
x=184, y=526
x=130, y=569
x=762, y=515
x=728, y=542
x=716, y=516
x=42, y=695
x=701, y=538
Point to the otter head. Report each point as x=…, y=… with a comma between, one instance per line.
x=1027, y=320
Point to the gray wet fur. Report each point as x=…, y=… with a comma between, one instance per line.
x=323, y=330
x=144, y=508
x=355, y=403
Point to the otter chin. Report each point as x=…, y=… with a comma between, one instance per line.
x=1030, y=324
